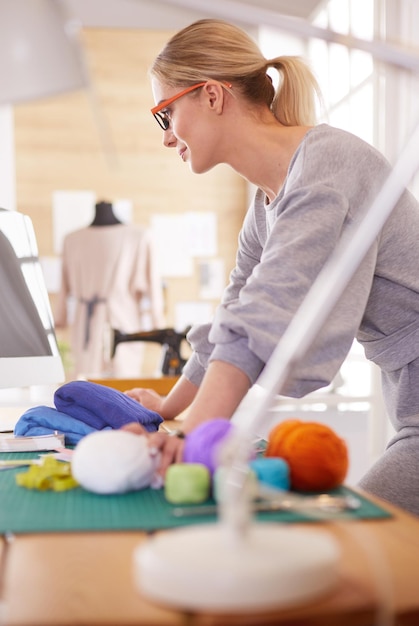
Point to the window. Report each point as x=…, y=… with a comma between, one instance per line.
x=346, y=75
x=352, y=85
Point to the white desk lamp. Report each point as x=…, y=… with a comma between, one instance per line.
x=39, y=52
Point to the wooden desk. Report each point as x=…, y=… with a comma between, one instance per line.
x=161, y=385
x=86, y=579
x=76, y=578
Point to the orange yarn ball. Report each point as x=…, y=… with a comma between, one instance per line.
x=317, y=457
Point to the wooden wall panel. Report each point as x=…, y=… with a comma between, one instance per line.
x=108, y=142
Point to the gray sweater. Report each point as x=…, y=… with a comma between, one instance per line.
x=332, y=179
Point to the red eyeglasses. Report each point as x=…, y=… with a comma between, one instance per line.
x=162, y=117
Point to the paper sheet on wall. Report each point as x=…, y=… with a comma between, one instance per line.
x=123, y=209
x=51, y=269
x=202, y=233
x=190, y=313
x=171, y=245
x=70, y=210
x=181, y=237
x=211, y=279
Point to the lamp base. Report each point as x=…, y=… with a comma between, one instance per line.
x=205, y=568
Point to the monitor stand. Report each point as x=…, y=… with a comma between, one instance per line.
x=15, y=401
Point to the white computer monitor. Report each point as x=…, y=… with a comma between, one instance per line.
x=29, y=352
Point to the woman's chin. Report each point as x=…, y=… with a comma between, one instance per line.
x=199, y=168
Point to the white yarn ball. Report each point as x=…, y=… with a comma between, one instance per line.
x=113, y=461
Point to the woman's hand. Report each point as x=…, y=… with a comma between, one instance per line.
x=169, y=447
x=149, y=398
x=170, y=406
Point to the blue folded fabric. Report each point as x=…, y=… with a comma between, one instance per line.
x=100, y=406
x=45, y=420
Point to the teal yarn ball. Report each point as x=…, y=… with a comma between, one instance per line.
x=272, y=471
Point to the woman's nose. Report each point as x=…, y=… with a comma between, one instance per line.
x=169, y=140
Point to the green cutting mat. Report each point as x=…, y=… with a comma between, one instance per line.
x=27, y=511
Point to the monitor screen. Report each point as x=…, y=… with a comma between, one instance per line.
x=29, y=352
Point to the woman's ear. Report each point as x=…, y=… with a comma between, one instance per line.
x=215, y=95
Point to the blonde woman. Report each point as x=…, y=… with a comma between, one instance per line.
x=216, y=104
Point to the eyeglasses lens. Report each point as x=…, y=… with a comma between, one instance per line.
x=162, y=121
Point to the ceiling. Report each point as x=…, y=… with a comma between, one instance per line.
x=293, y=16
x=174, y=14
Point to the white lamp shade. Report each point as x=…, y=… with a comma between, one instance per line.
x=39, y=57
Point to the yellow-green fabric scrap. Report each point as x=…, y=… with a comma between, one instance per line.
x=51, y=475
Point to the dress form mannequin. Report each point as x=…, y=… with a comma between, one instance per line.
x=108, y=273
x=104, y=215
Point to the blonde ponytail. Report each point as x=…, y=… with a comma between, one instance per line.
x=294, y=103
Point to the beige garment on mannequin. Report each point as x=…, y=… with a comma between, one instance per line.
x=108, y=271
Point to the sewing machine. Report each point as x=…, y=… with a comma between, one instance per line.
x=171, y=340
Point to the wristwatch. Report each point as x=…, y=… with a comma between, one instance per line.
x=177, y=432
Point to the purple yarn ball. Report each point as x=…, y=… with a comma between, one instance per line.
x=201, y=445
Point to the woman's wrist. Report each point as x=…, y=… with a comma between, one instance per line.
x=179, y=399
x=177, y=432
x=222, y=390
